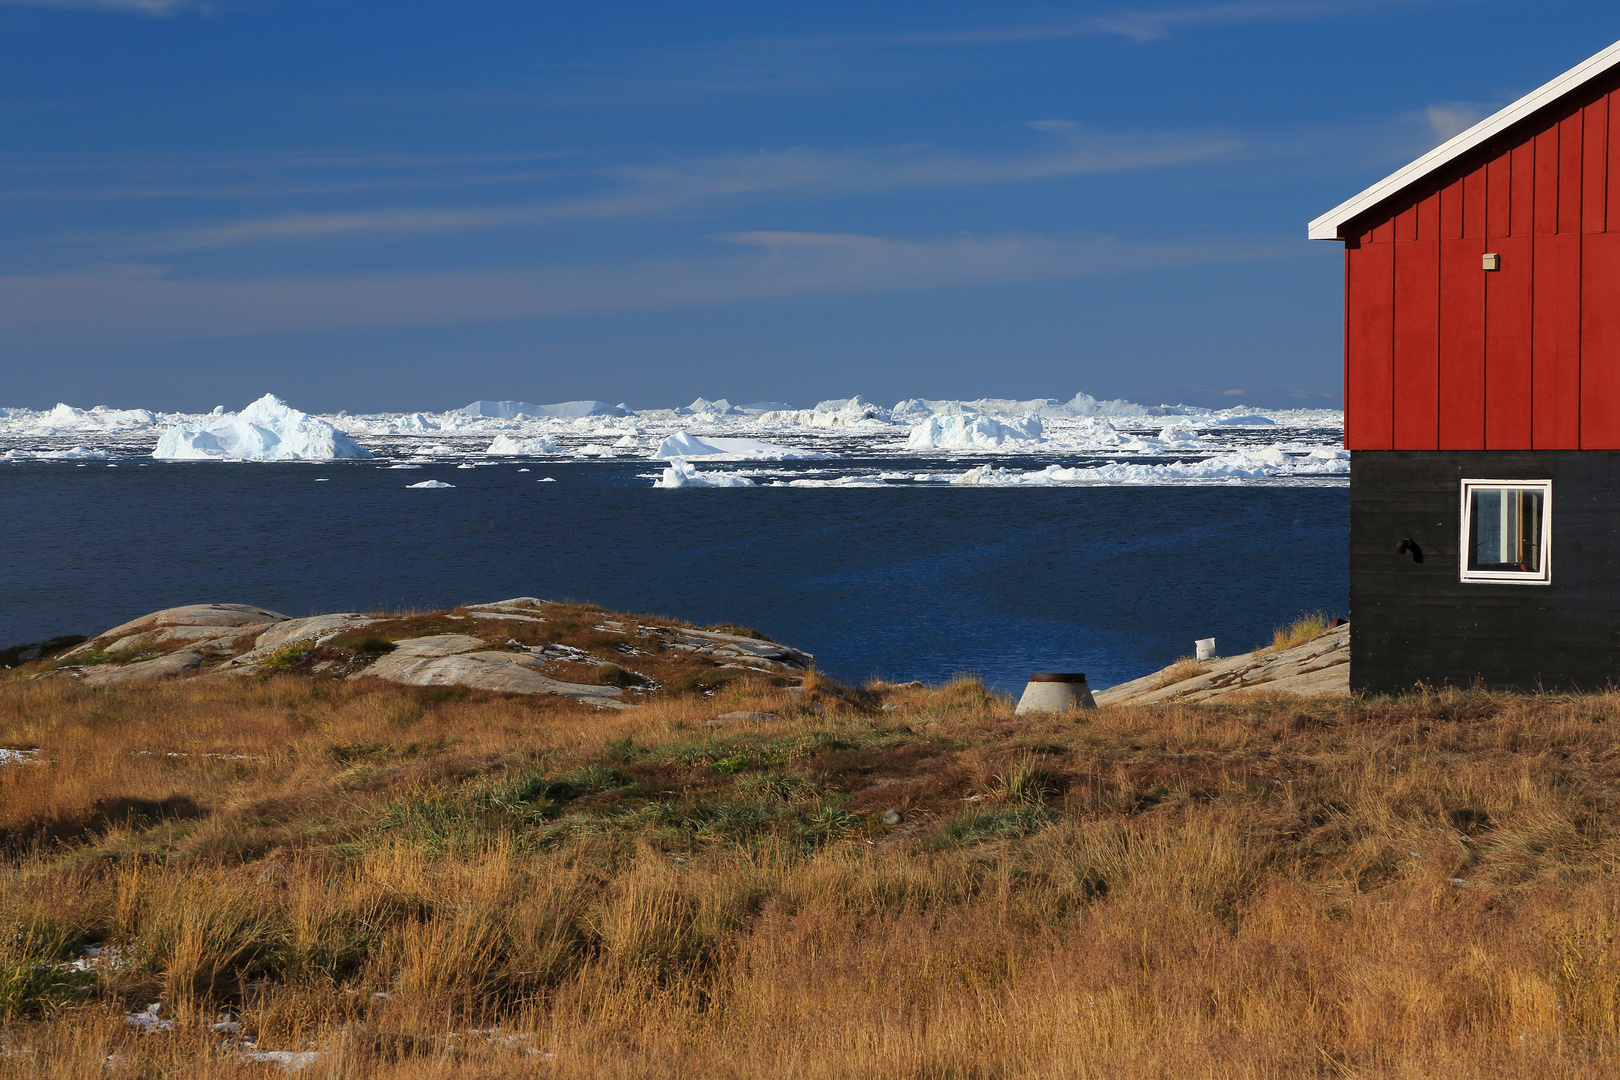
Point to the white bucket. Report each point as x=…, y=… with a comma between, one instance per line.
x=1205, y=647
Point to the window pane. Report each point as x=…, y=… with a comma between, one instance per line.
x=1505, y=529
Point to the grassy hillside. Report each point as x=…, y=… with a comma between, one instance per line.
x=427, y=883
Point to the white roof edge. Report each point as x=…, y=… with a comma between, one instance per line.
x=1328, y=225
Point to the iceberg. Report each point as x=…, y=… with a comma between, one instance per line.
x=681, y=473
x=65, y=418
x=705, y=407
x=684, y=444
x=838, y=412
x=505, y=444
x=566, y=410
x=267, y=430
x=430, y=484
x=971, y=433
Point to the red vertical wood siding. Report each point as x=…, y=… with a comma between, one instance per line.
x=1600, y=341
x=1441, y=353
x=1507, y=346
x=1369, y=308
x=1462, y=318
x=1594, y=165
x=1556, y=342
x=1416, y=378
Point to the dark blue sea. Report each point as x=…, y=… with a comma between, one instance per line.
x=906, y=582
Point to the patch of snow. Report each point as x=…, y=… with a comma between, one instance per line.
x=684, y=444
x=430, y=484
x=681, y=474
x=19, y=757
x=147, y=1020
x=99, y=958
x=267, y=430
x=290, y=1060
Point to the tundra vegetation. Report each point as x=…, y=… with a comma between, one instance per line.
x=355, y=878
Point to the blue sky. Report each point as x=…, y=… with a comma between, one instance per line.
x=408, y=206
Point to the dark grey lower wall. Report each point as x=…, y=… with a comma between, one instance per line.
x=1414, y=622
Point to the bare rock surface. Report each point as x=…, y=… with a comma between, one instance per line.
x=507, y=646
x=720, y=646
x=504, y=672
x=316, y=628
x=144, y=671
x=213, y=628
x=1318, y=667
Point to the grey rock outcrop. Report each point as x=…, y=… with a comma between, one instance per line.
x=480, y=653
x=218, y=629
x=313, y=628
x=1319, y=667
x=173, y=663
x=451, y=660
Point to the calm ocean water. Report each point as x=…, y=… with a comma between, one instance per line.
x=905, y=582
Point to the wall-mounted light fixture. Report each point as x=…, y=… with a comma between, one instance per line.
x=1493, y=261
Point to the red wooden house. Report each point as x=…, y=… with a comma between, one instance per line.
x=1482, y=399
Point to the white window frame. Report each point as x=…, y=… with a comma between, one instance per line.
x=1543, y=576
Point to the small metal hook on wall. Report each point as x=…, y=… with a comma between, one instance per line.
x=1408, y=546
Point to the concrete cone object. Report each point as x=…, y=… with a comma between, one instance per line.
x=1052, y=691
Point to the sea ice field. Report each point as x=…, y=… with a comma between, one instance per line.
x=913, y=541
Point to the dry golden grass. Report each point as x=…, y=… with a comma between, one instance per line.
x=1180, y=671
x=1308, y=627
x=416, y=884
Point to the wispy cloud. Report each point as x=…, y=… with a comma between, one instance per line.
x=157, y=8
x=665, y=187
x=133, y=305
x=1142, y=25
x=1453, y=118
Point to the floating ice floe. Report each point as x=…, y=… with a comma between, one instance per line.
x=963, y=432
x=506, y=445
x=1270, y=463
x=682, y=473
x=267, y=430
x=77, y=453
x=431, y=484
x=683, y=444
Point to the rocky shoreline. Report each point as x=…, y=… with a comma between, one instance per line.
x=526, y=645
x=523, y=645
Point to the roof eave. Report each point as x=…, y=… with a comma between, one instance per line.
x=1331, y=225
